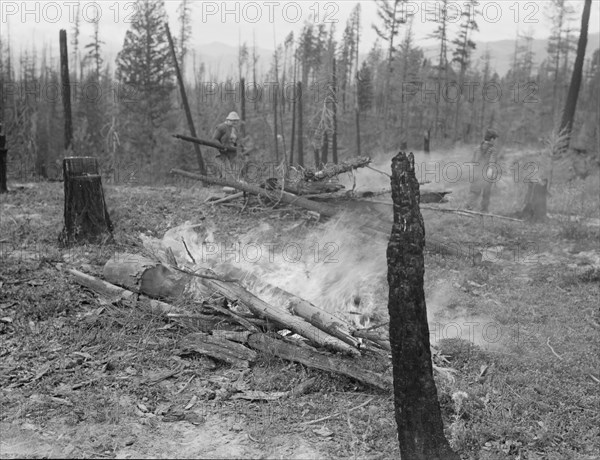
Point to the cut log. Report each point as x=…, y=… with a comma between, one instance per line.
x=302, y=187
x=316, y=360
x=218, y=348
x=332, y=170
x=319, y=318
x=262, y=309
x=213, y=144
x=85, y=214
x=140, y=274
x=147, y=276
x=277, y=195
x=111, y=291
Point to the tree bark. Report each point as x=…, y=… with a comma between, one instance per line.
x=316, y=360
x=300, y=127
x=140, y=274
x=282, y=196
x=85, y=214
x=334, y=146
x=184, y=100
x=3, y=162
x=418, y=416
x=218, y=348
x=66, y=88
x=566, y=125
x=275, y=123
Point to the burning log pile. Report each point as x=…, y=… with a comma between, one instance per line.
x=237, y=323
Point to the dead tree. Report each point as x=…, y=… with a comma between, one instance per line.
x=66, y=88
x=568, y=117
x=418, y=416
x=85, y=214
x=184, y=100
x=300, y=127
x=3, y=161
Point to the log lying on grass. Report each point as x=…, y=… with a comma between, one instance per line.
x=218, y=348
x=136, y=265
x=140, y=274
x=319, y=318
x=332, y=170
x=277, y=195
x=296, y=324
x=316, y=360
x=111, y=291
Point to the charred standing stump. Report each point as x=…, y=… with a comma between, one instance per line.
x=418, y=416
x=535, y=201
x=86, y=217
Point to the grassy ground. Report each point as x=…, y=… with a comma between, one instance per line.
x=78, y=372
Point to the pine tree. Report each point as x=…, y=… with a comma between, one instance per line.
x=141, y=63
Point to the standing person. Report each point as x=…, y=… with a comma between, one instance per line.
x=227, y=134
x=484, y=157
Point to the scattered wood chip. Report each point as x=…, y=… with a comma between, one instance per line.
x=260, y=395
x=324, y=432
x=192, y=403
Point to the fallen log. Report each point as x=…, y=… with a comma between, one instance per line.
x=316, y=360
x=218, y=348
x=468, y=212
x=110, y=290
x=277, y=195
x=332, y=170
x=213, y=144
x=140, y=274
x=286, y=320
x=319, y=318
x=130, y=270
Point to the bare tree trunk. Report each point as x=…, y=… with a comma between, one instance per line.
x=325, y=148
x=418, y=416
x=334, y=145
x=66, y=88
x=184, y=100
x=566, y=125
x=275, y=126
x=243, y=105
x=3, y=158
x=300, y=128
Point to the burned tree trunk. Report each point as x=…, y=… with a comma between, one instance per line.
x=86, y=217
x=184, y=100
x=3, y=161
x=66, y=88
x=418, y=416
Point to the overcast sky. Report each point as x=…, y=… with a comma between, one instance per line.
x=39, y=22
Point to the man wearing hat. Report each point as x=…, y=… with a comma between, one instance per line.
x=485, y=171
x=227, y=134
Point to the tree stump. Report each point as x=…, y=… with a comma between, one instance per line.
x=535, y=201
x=418, y=416
x=3, y=161
x=85, y=214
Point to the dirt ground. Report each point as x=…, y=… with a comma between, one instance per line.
x=84, y=376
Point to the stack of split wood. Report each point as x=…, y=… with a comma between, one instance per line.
x=248, y=324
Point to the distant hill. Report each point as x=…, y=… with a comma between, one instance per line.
x=220, y=59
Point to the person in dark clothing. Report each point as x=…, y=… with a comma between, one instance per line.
x=485, y=170
x=227, y=134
